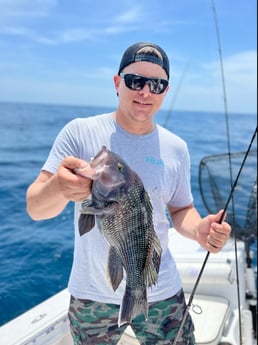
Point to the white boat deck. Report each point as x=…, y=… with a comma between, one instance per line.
x=43, y=325
x=214, y=305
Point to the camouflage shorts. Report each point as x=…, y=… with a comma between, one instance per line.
x=95, y=323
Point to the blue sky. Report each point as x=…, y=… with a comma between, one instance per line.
x=67, y=52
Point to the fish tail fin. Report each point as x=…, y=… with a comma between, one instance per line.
x=133, y=304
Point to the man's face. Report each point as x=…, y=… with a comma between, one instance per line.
x=140, y=105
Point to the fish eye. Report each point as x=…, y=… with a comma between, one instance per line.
x=120, y=166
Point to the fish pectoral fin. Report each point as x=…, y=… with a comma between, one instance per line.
x=115, y=268
x=86, y=223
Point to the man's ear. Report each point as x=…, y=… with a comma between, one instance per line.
x=166, y=89
x=117, y=80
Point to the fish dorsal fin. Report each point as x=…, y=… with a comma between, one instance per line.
x=153, y=258
x=151, y=268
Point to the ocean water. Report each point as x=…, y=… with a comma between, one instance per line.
x=36, y=257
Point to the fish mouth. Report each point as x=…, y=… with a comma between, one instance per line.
x=99, y=162
x=100, y=169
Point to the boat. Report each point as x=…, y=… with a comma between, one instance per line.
x=223, y=307
x=217, y=315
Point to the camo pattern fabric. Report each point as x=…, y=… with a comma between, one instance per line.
x=94, y=323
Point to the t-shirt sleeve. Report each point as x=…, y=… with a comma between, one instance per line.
x=65, y=144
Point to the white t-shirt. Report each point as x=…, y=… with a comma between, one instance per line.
x=161, y=159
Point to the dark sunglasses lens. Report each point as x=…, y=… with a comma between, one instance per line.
x=158, y=86
x=134, y=82
x=137, y=82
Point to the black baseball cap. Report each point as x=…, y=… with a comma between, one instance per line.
x=131, y=55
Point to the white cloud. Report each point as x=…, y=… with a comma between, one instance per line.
x=17, y=18
x=25, y=8
x=242, y=63
x=16, y=31
x=242, y=67
x=240, y=73
x=129, y=16
x=69, y=35
x=125, y=21
x=66, y=36
x=17, y=15
x=201, y=86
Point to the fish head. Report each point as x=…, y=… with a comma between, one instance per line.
x=113, y=176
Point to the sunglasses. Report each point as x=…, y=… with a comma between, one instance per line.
x=137, y=82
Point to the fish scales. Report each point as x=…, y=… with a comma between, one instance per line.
x=134, y=242
x=123, y=212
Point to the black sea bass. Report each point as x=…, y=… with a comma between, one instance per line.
x=124, y=214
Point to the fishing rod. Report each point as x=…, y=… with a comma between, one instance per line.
x=189, y=304
x=229, y=156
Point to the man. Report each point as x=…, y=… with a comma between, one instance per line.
x=162, y=161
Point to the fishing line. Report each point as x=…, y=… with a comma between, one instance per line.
x=230, y=163
x=189, y=304
x=175, y=96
